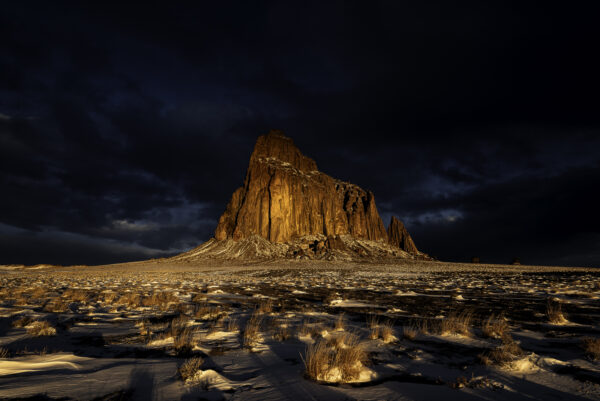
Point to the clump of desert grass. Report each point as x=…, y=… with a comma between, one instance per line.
x=145, y=328
x=130, y=299
x=457, y=324
x=76, y=295
x=22, y=321
x=183, y=341
x=232, y=324
x=591, y=347
x=340, y=323
x=206, y=311
x=188, y=369
x=386, y=332
x=339, y=360
x=40, y=328
x=37, y=294
x=265, y=306
x=109, y=297
x=503, y=354
x=312, y=329
x=495, y=326
x=414, y=329
x=251, y=335
x=57, y=305
x=373, y=325
x=410, y=332
x=162, y=300
x=554, y=312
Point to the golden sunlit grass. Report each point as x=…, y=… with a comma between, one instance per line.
x=188, y=369
x=457, y=323
x=410, y=332
x=386, y=332
x=507, y=352
x=22, y=321
x=495, y=326
x=340, y=323
x=337, y=360
x=40, y=328
x=266, y=306
x=251, y=334
x=130, y=299
x=76, y=295
x=232, y=324
x=161, y=300
x=57, y=305
x=554, y=313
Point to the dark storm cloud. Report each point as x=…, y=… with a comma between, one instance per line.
x=125, y=128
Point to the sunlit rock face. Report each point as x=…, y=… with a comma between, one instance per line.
x=399, y=237
x=284, y=196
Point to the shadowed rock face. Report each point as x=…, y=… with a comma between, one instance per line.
x=398, y=236
x=284, y=197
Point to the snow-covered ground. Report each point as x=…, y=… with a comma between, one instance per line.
x=421, y=330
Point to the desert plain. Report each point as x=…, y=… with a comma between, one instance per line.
x=299, y=330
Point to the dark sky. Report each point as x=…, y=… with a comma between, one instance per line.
x=124, y=129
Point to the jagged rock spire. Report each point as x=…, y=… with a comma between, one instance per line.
x=399, y=236
x=284, y=196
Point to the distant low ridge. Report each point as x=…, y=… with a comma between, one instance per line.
x=287, y=208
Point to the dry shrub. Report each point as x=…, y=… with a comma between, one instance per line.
x=162, y=300
x=340, y=323
x=374, y=333
x=495, y=326
x=252, y=331
x=109, y=297
x=183, y=341
x=179, y=323
x=207, y=312
x=145, y=328
x=457, y=323
x=40, y=328
x=372, y=321
x=265, y=306
x=38, y=293
x=309, y=328
x=335, y=361
x=555, y=313
x=232, y=324
x=592, y=348
x=77, y=295
x=507, y=352
x=130, y=299
x=410, y=332
x=4, y=353
x=386, y=332
x=188, y=369
x=22, y=321
x=57, y=305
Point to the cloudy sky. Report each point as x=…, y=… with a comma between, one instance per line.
x=124, y=129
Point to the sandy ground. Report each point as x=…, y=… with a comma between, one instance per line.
x=125, y=331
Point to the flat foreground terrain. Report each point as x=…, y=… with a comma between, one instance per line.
x=299, y=331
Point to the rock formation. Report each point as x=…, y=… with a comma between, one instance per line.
x=284, y=196
x=398, y=236
x=287, y=208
